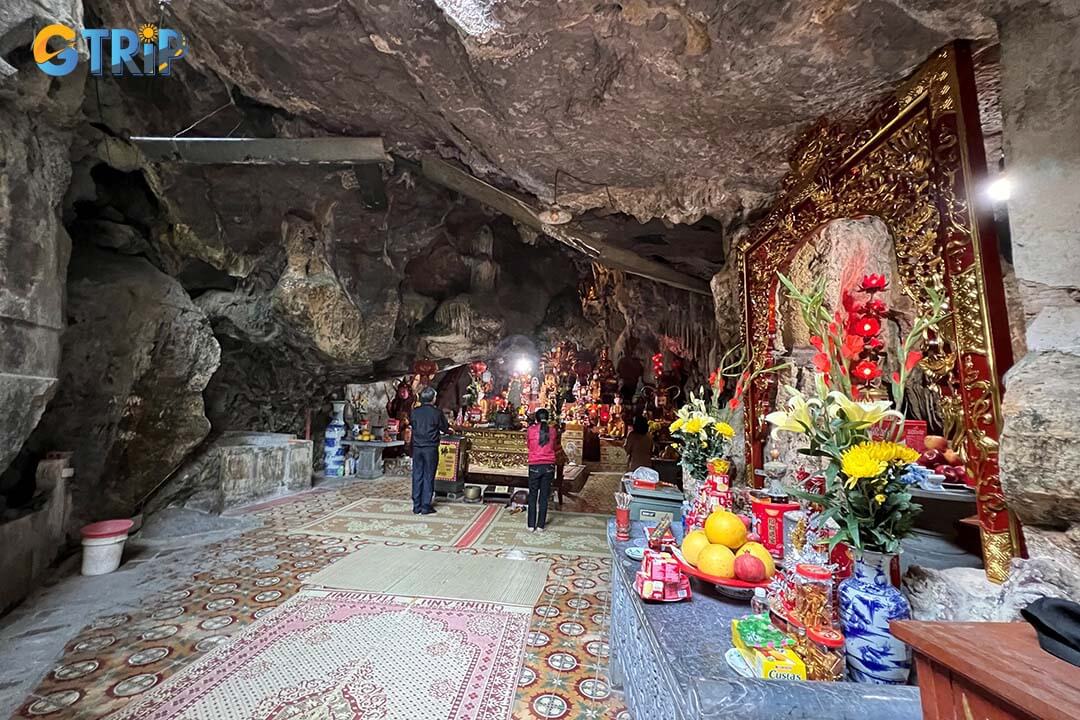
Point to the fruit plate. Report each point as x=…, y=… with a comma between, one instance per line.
x=726, y=582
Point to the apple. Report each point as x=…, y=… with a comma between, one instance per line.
x=948, y=471
x=748, y=568
x=935, y=442
x=952, y=457
x=931, y=458
x=961, y=474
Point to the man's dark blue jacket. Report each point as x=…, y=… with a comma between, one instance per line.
x=427, y=422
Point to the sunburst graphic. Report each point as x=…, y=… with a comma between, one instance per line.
x=148, y=33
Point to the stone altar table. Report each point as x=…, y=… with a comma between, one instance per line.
x=369, y=460
x=669, y=660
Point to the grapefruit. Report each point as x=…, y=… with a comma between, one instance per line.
x=725, y=528
x=758, y=550
x=692, y=545
x=717, y=560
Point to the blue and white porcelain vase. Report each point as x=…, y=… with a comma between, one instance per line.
x=333, y=448
x=868, y=603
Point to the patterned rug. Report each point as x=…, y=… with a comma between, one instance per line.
x=424, y=573
x=119, y=659
x=388, y=519
x=566, y=533
x=354, y=656
x=460, y=525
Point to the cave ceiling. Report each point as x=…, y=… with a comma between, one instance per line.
x=654, y=115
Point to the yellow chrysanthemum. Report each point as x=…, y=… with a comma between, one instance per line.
x=694, y=425
x=674, y=427
x=870, y=459
x=722, y=428
x=891, y=452
x=857, y=463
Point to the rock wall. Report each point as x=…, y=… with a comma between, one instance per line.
x=36, y=116
x=137, y=355
x=1040, y=443
x=1041, y=405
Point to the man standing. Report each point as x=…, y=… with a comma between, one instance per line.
x=428, y=423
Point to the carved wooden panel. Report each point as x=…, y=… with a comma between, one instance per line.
x=915, y=164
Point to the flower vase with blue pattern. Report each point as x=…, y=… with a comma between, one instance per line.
x=333, y=448
x=868, y=603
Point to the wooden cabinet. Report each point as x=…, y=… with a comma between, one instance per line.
x=989, y=671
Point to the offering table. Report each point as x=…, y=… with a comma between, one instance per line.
x=369, y=459
x=669, y=660
x=501, y=457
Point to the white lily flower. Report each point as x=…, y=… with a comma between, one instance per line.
x=862, y=414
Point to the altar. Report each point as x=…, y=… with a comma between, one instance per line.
x=501, y=457
x=668, y=658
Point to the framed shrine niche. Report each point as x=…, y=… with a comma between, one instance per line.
x=913, y=168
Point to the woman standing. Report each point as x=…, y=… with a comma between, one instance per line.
x=543, y=442
x=639, y=445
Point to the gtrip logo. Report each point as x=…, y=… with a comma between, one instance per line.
x=146, y=51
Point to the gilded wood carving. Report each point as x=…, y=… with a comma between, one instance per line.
x=914, y=165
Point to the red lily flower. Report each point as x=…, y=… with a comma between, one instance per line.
x=821, y=362
x=867, y=371
x=913, y=359
x=876, y=344
x=733, y=403
x=876, y=307
x=874, y=283
x=867, y=326
x=817, y=342
x=852, y=347
x=896, y=377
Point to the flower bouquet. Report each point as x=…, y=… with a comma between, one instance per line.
x=868, y=473
x=703, y=427
x=866, y=479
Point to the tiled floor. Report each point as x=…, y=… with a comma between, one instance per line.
x=125, y=653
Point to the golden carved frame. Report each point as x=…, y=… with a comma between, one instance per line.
x=915, y=164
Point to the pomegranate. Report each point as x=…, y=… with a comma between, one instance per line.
x=748, y=568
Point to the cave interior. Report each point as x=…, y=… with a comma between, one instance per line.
x=323, y=196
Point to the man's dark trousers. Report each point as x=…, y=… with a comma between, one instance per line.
x=424, y=462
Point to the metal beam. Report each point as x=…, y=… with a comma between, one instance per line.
x=599, y=251
x=263, y=151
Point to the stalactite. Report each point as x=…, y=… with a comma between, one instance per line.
x=456, y=315
x=479, y=244
x=484, y=274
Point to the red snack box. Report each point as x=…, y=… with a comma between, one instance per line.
x=769, y=524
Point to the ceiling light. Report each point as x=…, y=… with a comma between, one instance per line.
x=555, y=215
x=999, y=190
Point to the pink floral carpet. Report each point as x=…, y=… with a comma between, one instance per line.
x=334, y=654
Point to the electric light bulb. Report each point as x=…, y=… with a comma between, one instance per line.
x=999, y=190
x=523, y=366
